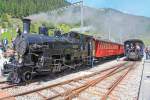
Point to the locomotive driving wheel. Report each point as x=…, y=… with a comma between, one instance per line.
x=27, y=76
x=14, y=77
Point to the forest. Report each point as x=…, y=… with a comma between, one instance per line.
x=12, y=12
x=22, y=8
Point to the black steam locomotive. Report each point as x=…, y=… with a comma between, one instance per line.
x=42, y=54
x=134, y=49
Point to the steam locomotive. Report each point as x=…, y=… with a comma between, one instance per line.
x=134, y=49
x=39, y=53
x=43, y=54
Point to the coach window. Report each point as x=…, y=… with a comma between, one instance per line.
x=101, y=45
x=107, y=46
x=98, y=45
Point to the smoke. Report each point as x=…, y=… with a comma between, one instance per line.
x=68, y=16
x=84, y=29
x=121, y=26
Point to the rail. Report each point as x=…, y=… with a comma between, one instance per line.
x=75, y=91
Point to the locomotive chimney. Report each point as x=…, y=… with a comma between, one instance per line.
x=26, y=26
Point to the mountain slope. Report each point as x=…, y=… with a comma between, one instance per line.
x=121, y=26
x=20, y=8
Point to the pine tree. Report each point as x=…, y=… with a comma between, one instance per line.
x=21, y=8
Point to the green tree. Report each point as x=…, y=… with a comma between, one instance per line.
x=21, y=8
x=6, y=20
x=64, y=27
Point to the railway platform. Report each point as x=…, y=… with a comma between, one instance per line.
x=145, y=82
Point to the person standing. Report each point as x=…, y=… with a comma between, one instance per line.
x=5, y=43
x=147, y=53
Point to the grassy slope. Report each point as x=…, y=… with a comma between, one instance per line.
x=51, y=4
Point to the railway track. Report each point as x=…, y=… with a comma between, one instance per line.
x=6, y=85
x=74, y=88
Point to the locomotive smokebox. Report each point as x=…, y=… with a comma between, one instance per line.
x=26, y=26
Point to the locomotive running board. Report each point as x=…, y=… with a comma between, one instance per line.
x=72, y=67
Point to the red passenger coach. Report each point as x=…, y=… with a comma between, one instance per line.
x=105, y=49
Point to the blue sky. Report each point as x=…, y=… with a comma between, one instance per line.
x=136, y=7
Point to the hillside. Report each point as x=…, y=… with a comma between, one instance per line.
x=11, y=12
x=20, y=8
x=102, y=21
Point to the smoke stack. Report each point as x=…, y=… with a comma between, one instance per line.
x=26, y=26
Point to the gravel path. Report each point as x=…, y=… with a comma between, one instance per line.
x=128, y=91
x=129, y=87
x=58, y=79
